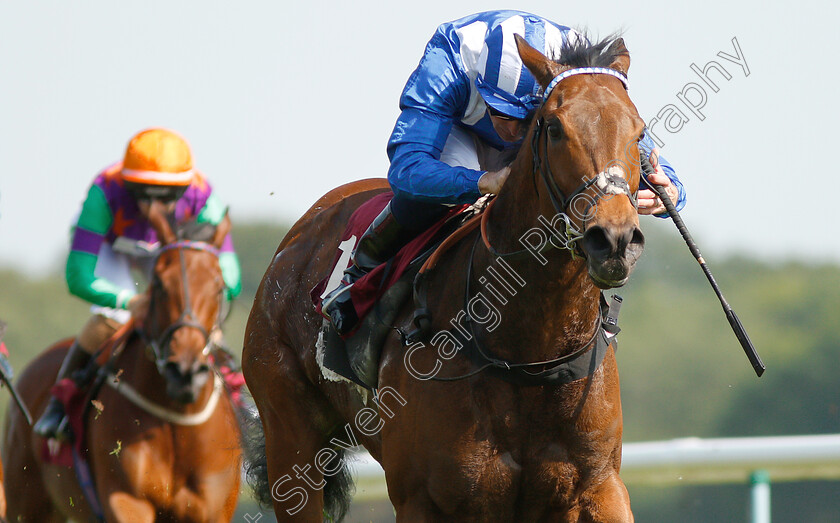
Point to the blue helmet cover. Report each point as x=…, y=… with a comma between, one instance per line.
x=505, y=83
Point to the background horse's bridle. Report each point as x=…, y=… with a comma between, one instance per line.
x=161, y=345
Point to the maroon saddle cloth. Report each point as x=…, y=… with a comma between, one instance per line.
x=369, y=288
x=74, y=400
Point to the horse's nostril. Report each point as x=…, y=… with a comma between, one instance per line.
x=177, y=373
x=638, y=238
x=171, y=369
x=596, y=243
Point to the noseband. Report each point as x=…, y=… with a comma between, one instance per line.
x=607, y=182
x=161, y=345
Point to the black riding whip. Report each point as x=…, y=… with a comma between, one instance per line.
x=739, y=330
x=6, y=375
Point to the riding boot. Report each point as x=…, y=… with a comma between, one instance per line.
x=50, y=425
x=380, y=242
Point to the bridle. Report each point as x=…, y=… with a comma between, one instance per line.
x=613, y=183
x=544, y=371
x=160, y=345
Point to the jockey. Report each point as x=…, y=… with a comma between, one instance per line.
x=112, y=236
x=465, y=110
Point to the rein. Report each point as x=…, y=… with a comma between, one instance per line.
x=608, y=183
x=552, y=367
x=571, y=235
x=169, y=415
x=160, y=347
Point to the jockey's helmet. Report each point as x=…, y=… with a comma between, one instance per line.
x=158, y=164
x=504, y=82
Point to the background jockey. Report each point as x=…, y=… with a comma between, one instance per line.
x=112, y=237
x=465, y=110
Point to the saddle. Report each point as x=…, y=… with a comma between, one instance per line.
x=356, y=357
x=78, y=400
x=379, y=295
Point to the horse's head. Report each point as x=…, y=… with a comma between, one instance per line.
x=186, y=293
x=584, y=145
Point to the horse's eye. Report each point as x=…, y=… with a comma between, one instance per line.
x=555, y=130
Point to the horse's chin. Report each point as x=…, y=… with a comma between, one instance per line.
x=609, y=275
x=604, y=284
x=612, y=254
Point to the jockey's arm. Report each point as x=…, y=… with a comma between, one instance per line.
x=214, y=212
x=417, y=171
x=88, y=234
x=432, y=101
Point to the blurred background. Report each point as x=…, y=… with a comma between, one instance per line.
x=283, y=102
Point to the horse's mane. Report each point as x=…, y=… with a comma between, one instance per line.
x=581, y=52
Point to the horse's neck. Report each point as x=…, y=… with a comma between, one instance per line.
x=518, y=207
x=556, y=306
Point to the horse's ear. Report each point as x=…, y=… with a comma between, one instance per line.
x=543, y=69
x=222, y=231
x=160, y=222
x=621, y=63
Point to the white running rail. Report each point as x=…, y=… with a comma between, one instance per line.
x=694, y=460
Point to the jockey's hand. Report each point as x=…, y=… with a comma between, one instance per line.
x=138, y=305
x=649, y=203
x=492, y=181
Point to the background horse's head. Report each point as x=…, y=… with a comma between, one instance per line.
x=585, y=149
x=186, y=292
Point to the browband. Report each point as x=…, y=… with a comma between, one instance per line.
x=583, y=70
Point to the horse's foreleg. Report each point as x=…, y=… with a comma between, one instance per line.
x=295, y=420
x=190, y=507
x=420, y=507
x=608, y=502
x=296, y=484
x=28, y=499
x=212, y=500
x=122, y=507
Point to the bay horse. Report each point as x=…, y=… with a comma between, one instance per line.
x=163, y=441
x=459, y=441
